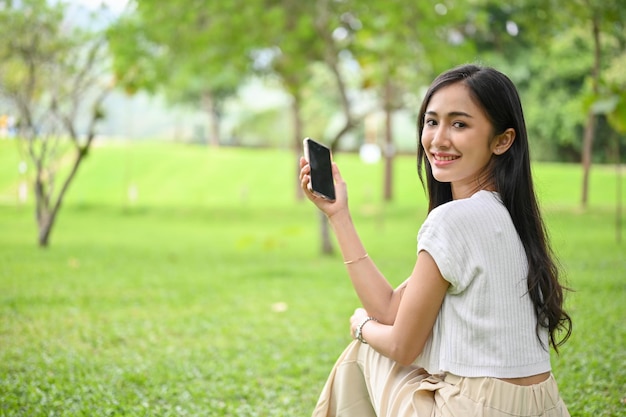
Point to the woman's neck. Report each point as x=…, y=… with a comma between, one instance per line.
x=460, y=192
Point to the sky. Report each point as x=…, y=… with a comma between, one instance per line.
x=116, y=6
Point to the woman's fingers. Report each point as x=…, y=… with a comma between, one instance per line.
x=336, y=173
x=305, y=168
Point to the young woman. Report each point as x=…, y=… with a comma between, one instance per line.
x=469, y=332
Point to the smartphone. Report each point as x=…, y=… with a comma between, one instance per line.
x=318, y=157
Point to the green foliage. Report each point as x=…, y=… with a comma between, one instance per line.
x=202, y=53
x=206, y=296
x=53, y=77
x=553, y=95
x=188, y=50
x=39, y=44
x=383, y=52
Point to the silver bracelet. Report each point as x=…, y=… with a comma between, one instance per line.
x=358, y=334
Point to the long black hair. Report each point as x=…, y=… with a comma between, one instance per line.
x=512, y=178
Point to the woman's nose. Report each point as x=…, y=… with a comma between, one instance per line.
x=440, y=138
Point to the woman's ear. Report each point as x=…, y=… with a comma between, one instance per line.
x=503, y=141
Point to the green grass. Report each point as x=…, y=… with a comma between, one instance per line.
x=168, y=306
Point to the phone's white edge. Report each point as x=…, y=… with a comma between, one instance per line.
x=305, y=145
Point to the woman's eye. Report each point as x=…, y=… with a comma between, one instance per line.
x=431, y=122
x=458, y=124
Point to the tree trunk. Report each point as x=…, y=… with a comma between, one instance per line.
x=298, y=135
x=345, y=105
x=587, y=150
x=618, y=194
x=214, y=119
x=47, y=212
x=327, y=245
x=45, y=228
x=586, y=156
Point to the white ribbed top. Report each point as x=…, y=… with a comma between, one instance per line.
x=486, y=325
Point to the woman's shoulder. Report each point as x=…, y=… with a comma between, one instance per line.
x=481, y=214
x=480, y=205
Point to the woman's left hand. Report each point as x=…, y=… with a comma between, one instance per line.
x=357, y=317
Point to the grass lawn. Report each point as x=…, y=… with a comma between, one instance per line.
x=207, y=295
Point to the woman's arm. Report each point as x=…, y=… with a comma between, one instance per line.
x=406, y=315
x=404, y=340
x=376, y=294
x=372, y=288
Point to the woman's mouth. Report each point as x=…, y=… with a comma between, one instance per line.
x=444, y=159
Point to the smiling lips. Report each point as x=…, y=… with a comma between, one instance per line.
x=443, y=159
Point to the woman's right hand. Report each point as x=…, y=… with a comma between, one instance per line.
x=329, y=208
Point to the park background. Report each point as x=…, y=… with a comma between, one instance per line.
x=156, y=257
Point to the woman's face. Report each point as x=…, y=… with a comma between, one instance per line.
x=457, y=138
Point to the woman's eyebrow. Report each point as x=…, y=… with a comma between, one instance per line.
x=450, y=114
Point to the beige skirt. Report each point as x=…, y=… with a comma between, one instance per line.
x=364, y=383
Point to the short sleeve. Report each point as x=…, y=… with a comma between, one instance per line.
x=447, y=236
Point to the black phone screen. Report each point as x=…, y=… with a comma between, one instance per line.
x=321, y=169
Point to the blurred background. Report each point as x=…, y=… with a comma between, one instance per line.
x=266, y=73
x=184, y=275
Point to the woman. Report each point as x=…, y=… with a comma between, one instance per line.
x=469, y=332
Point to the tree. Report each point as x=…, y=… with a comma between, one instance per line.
x=53, y=75
x=612, y=105
x=292, y=47
x=379, y=35
x=300, y=39
x=192, y=51
x=402, y=45
x=603, y=23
